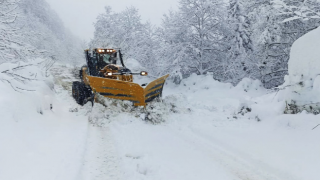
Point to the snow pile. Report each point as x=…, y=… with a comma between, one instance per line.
x=157, y=111
x=107, y=110
x=205, y=93
x=303, y=81
x=197, y=82
x=250, y=85
x=161, y=109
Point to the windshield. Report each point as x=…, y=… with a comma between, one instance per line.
x=106, y=58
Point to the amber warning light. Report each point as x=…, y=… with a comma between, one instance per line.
x=106, y=50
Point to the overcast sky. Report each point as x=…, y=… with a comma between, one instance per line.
x=79, y=15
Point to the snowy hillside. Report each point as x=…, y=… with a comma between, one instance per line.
x=31, y=29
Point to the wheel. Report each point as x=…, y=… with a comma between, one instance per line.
x=79, y=92
x=88, y=94
x=74, y=90
x=87, y=91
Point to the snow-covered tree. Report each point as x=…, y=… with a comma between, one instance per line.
x=145, y=47
x=126, y=31
x=203, y=20
x=241, y=37
x=269, y=56
x=171, y=40
x=120, y=30
x=44, y=34
x=9, y=42
x=196, y=34
x=303, y=9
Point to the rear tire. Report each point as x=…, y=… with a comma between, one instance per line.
x=79, y=92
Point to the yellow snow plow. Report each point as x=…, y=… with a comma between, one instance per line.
x=103, y=75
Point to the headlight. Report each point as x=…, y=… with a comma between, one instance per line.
x=143, y=73
x=109, y=73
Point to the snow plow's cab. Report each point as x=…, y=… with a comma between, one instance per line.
x=106, y=74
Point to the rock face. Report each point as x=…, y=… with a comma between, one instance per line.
x=303, y=81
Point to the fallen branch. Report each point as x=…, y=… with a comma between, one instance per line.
x=25, y=89
x=316, y=126
x=10, y=84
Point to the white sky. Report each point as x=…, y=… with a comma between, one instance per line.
x=79, y=15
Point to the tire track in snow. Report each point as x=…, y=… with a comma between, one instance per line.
x=238, y=163
x=100, y=161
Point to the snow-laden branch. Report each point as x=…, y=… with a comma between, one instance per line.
x=303, y=10
x=20, y=75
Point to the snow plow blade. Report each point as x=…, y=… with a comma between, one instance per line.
x=154, y=89
x=123, y=90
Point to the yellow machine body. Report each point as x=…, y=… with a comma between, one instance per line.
x=122, y=87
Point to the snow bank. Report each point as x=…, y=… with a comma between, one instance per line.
x=305, y=57
x=250, y=85
x=27, y=80
x=38, y=135
x=206, y=82
x=157, y=111
x=205, y=93
x=303, y=80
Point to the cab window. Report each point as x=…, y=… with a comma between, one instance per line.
x=106, y=58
